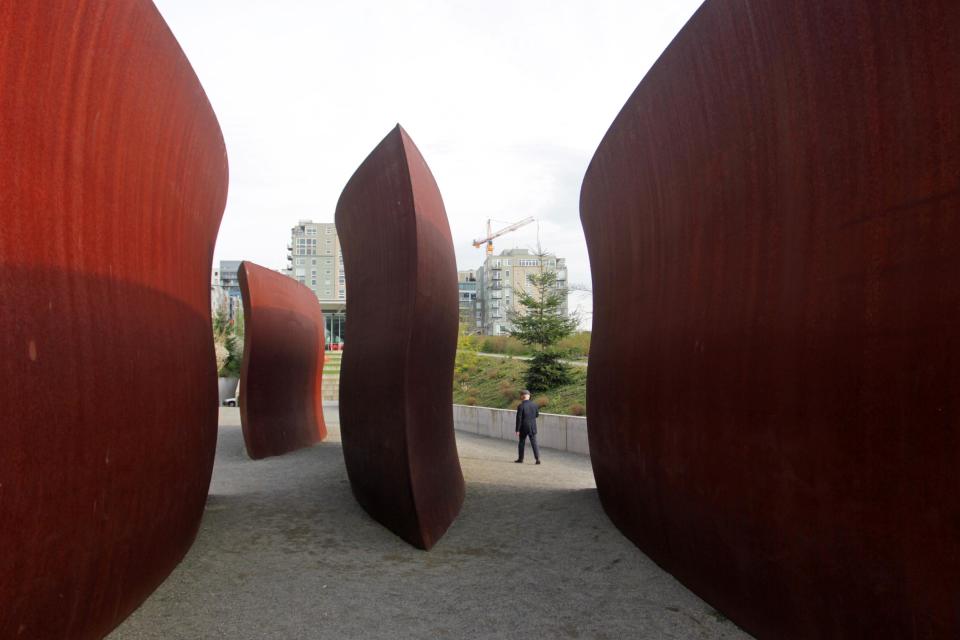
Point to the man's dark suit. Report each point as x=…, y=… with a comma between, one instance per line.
x=527, y=414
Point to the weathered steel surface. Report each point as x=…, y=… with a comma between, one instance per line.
x=774, y=229
x=281, y=406
x=113, y=179
x=396, y=380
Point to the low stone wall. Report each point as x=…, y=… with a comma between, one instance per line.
x=566, y=433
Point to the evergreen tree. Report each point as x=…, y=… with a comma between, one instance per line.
x=542, y=324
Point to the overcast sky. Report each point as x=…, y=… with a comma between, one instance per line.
x=507, y=101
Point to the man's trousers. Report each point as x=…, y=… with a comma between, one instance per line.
x=533, y=444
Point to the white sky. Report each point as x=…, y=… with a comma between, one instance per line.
x=507, y=101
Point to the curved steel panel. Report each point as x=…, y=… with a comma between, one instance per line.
x=113, y=178
x=281, y=405
x=773, y=229
x=396, y=378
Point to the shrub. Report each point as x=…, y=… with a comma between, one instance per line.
x=467, y=358
x=509, y=391
x=506, y=345
x=471, y=401
x=514, y=347
x=578, y=410
x=226, y=339
x=542, y=401
x=577, y=345
x=488, y=346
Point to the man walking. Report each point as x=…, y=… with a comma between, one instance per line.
x=527, y=414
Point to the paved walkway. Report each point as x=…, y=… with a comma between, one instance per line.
x=574, y=363
x=285, y=552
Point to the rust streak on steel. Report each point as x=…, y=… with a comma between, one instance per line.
x=113, y=179
x=281, y=407
x=396, y=406
x=773, y=222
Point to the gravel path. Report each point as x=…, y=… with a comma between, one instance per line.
x=285, y=552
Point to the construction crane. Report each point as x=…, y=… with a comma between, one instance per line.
x=491, y=235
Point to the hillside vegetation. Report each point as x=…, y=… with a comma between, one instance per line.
x=577, y=345
x=496, y=382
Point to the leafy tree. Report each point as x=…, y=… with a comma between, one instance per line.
x=541, y=324
x=466, y=351
x=228, y=344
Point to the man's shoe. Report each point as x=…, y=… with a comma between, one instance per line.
x=538, y=462
x=518, y=461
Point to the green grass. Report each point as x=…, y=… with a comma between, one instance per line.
x=496, y=382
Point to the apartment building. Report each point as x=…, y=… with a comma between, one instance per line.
x=500, y=280
x=469, y=302
x=225, y=289
x=314, y=260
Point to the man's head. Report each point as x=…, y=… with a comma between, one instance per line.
x=524, y=395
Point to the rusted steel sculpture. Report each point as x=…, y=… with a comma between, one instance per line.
x=281, y=407
x=113, y=178
x=774, y=229
x=396, y=379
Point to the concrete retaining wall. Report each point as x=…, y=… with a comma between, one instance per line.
x=330, y=388
x=566, y=433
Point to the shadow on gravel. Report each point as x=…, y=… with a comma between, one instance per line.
x=284, y=551
x=304, y=497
